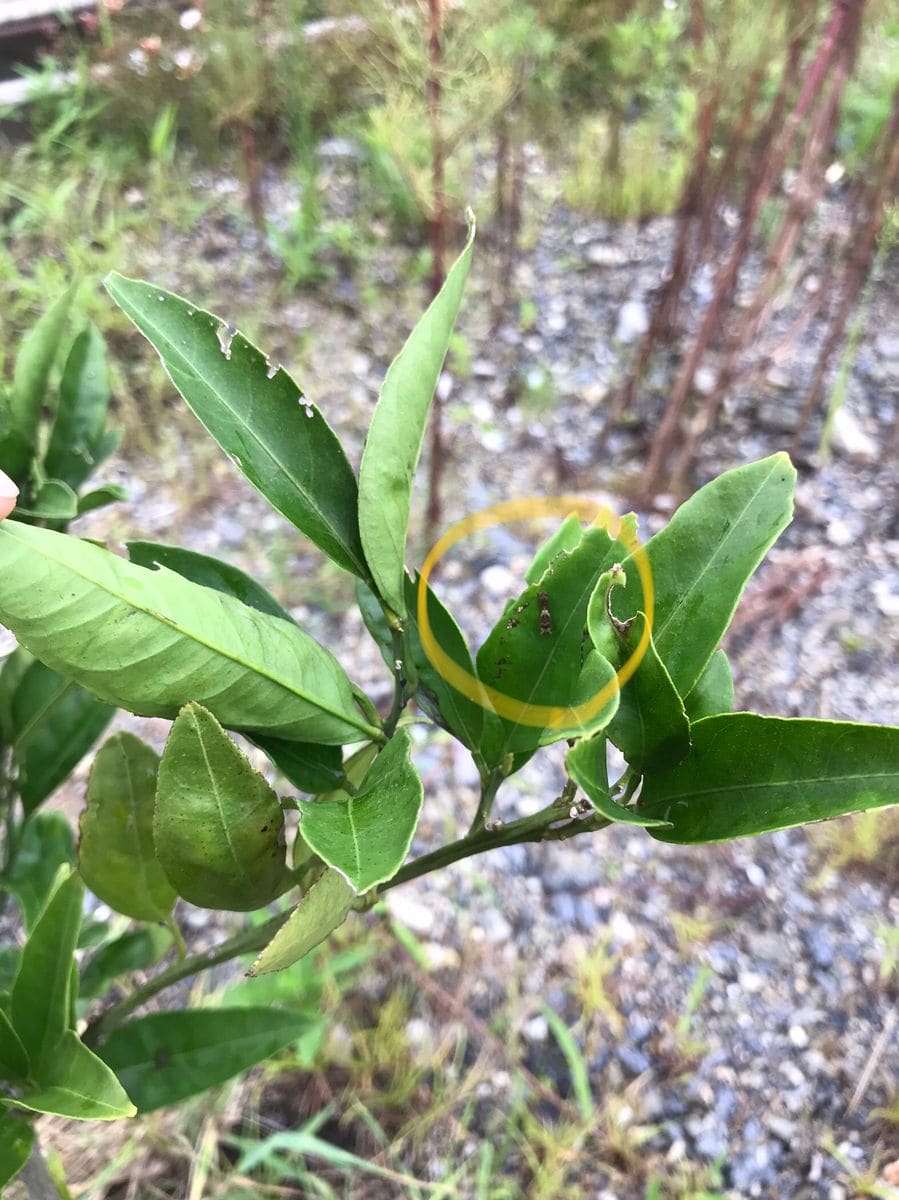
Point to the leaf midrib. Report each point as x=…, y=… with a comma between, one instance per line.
x=773, y=783
x=162, y=620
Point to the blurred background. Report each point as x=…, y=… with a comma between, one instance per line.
x=687, y=258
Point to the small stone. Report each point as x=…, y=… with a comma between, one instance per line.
x=851, y=439
x=564, y=908
x=410, y=912
x=887, y=346
x=751, y=982
x=633, y=322
x=498, y=582
x=704, y=380
x=440, y=957
x=634, y=1061
x=841, y=532
x=886, y=600
x=601, y=255
x=778, y=378
x=798, y=1037
x=418, y=1032
x=496, y=928
x=819, y=947
x=782, y=1129
x=891, y=1173
x=622, y=928
x=755, y=875
x=536, y=1030
x=230, y=531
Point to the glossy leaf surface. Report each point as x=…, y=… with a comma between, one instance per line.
x=166, y=1057
x=714, y=690
x=702, y=559
x=322, y=909
x=116, y=854
x=218, y=827
x=208, y=571
x=41, y=994
x=16, y=1140
x=74, y=1082
x=394, y=441
x=109, y=493
x=34, y=362
x=367, y=836
x=55, y=723
x=585, y=763
x=47, y=843
x=150, y=641
x=257, y=414
x=650, y=727
x=539, y=651
x=308, y=767
x=81, y=412
x=13, y=1055
x=751, y=774
x=54, y=502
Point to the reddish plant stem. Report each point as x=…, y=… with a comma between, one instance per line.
x=252, y=174
x=862, y=255
x=727, y=276
x=437, y=222
x=679, y=270
x=807, y=190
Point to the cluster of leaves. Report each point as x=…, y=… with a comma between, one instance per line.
x=175, y=634
x=51, y=440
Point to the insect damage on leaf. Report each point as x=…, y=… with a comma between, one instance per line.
x=546, y=625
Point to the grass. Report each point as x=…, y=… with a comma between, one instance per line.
x=648, y=183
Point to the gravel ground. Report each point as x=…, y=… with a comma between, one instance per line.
x=788, y=1040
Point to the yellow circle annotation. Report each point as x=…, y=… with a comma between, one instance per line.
x=522, y=712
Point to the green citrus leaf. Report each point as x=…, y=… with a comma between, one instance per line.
x=257, y=414
x=47, y=843
x=750, y=774
x=74, y=1082
x=218, y=827
x=34, y=362
x=714, y=690
x=703, y=558
x=166, y=1057
x=116, y=855
x=151, y=641
x=40, y=1004
x=650, y=727
x=16, y=1139
x=81, y=413
x=322, y=909
x=539, y=651
x=394, y=441
x=54, y=724
x=366, y=836
x=208, y=571
x=585, y=763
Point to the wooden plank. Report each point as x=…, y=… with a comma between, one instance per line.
x=26, y=16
